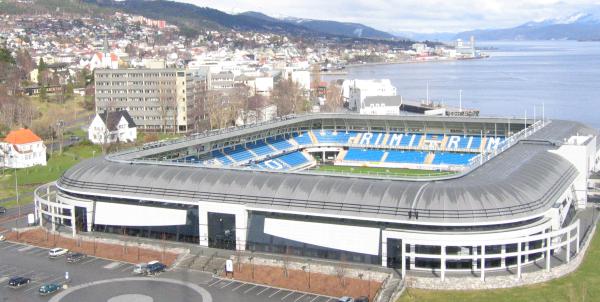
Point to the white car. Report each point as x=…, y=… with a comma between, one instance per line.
x=57, y=251
x=2, y=238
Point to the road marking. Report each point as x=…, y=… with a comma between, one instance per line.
x=112, y=265
x=287, y=296
x=246, y=291
x=266, y=288
x=26, y=248
x=8, y=246
x=273, y=294
x=227, y=284
x=127, y=268
x=218, y=280
x=2, y=279
x=241, y=284
x=300, y=297
x=315, y=298
x=89, y=261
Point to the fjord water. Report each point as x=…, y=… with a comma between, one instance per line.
x=562, y=75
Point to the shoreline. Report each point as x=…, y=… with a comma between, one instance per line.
x=414, y=62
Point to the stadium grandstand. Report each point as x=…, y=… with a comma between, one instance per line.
x=448, y=194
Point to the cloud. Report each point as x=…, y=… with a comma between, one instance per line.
x=412, y=15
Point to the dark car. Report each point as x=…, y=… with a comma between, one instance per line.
x=16, y=282
x=362, y=299
x=48, y=289
x=2, y=210
x=75, y=257
x=155, y=268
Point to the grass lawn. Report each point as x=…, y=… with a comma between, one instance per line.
x=582, y=285
x=386, y=171
x=30, y=178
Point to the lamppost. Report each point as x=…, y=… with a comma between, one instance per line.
x=251, y=258
x=13, y=160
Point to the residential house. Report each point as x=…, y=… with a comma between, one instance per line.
x=112, y=127
x=21, y=149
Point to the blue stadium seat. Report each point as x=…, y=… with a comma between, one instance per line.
x=293, y=159
x=364, y=155
x=283, y=163
x=410, y=157
x=260, y=148
x=328, y=136
x=239, y=154
x=442, y=158
x=221, y=157
x=303, y=138
x=279, y=143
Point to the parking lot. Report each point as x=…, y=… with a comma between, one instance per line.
x=256, y=292
x=33, y=262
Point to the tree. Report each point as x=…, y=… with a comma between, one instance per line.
x=333, y=98
x=289, y=98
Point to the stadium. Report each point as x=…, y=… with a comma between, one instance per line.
x=409, y=192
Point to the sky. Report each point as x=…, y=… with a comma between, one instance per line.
x=413, y=15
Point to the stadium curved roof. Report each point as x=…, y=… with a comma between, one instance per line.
x=521, y=182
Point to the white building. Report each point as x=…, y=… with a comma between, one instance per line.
x=381, y=105
x=21, y=149
x=302, y=77
x=358, y=90
x=112, y=127
x=104, y=60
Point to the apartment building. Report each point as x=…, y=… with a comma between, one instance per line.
x=156, y=99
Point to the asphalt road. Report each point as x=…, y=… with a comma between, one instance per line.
x=95, y=279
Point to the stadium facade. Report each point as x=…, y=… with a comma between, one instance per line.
x=491, y=193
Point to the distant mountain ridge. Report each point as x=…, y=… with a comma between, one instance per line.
x=346, y=29
x=579, y=26
x=194, y=16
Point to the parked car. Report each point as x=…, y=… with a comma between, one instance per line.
x=2, y=238
x=16, y=282
x=140, y=268
x=48, y=289
x=2, y=210
x=362, y=299
x=345, y=299
x=57, y=252
x=155, y=268
x=75, y=257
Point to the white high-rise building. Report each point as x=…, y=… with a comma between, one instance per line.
x=358, y=90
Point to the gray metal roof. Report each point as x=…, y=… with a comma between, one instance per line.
x=525, y=180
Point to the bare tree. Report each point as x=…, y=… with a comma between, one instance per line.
x=341, y=271
x=167, y=103
x=333, y=98
x=289, y=98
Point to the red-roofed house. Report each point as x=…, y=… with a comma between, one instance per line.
x=21, y=149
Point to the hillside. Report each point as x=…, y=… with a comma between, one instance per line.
x=335, y=28
x=580, y=26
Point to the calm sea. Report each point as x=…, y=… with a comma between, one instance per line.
x=562, y=75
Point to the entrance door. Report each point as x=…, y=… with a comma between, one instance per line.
x=81, y=219
x=221, y=231
x=394, y=253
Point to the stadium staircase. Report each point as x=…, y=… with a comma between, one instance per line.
x=384, y=157
x=483, y=143
x=341, y=155
x=444, y=142
x=251, y=152
x=385, y=139
x=429, y=158
x=421, y=142
x=356, y=139
x=313, y=138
